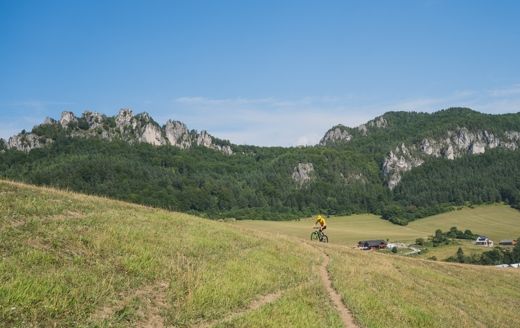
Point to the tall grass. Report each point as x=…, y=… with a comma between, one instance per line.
x=389, y=291
x=73, y=260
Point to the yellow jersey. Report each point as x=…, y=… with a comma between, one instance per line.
x=321, y=220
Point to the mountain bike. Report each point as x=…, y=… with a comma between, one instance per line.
x=319, y=235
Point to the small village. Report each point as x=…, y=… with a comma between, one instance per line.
x=402, y=248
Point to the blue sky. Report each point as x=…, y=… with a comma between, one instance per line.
x=256, y=72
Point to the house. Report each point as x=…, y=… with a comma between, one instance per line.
x=484, y=241
x=507, y=242
x=371, y=244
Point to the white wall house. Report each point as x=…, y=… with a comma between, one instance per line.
x=484, y=241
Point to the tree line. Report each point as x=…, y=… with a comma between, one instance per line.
x=255, y=182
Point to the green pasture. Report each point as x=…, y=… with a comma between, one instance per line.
x=70, y=260
x=495, y=221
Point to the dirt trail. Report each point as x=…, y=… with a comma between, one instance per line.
x=343, y=311
x=256, y=304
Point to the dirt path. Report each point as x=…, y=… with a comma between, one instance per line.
x=256, y=304
x=343, y=311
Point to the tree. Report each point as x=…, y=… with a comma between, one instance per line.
x=460, y=255
x=515, y=253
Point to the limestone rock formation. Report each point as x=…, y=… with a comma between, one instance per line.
x=379, y=122
x=124, y=126
x=335, y=135
x=302, y=173
x=26, y=142
x=93, y=119
x=67, y=118
x=343, y=134
x=177, y=134
x=454, y=144
x=397, y=162
x=152, y=134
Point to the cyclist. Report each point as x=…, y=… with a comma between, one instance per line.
x=322, y=223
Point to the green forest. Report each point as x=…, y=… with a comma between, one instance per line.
x=255, y=182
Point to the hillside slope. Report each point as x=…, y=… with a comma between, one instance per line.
x=72, y=260
x=75, y=260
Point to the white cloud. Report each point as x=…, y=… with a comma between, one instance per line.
x=268, y=121
x=513, y=90
x=283, y=122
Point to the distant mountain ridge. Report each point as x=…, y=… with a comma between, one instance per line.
x=453, y=138
x=400, y=165
x=124, y=126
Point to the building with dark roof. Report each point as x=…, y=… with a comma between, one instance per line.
x=372, y=244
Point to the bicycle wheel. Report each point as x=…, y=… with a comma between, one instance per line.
x=324, y=238
x=315, y=235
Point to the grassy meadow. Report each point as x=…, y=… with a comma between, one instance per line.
x=69, y=260
x=395, y=291
x=445, y=251
x=72, y=260
x=495, y=221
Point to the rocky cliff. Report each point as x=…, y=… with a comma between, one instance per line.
x=27, y=141
x=341, y=134
x=126, y=126
x=404, y=140
x=303, y=173
x=454, y=144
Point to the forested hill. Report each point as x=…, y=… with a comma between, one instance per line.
x=401, y=165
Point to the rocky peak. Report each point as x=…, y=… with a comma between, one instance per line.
x=342, y=134
x=177, y=134
x=302, y=173
x=335, y=135
x=378, y=122
x=152, y=135
x=204, y=139
x=124, y=118
x=93, y=119
x=144, y=118
x=67, y=118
